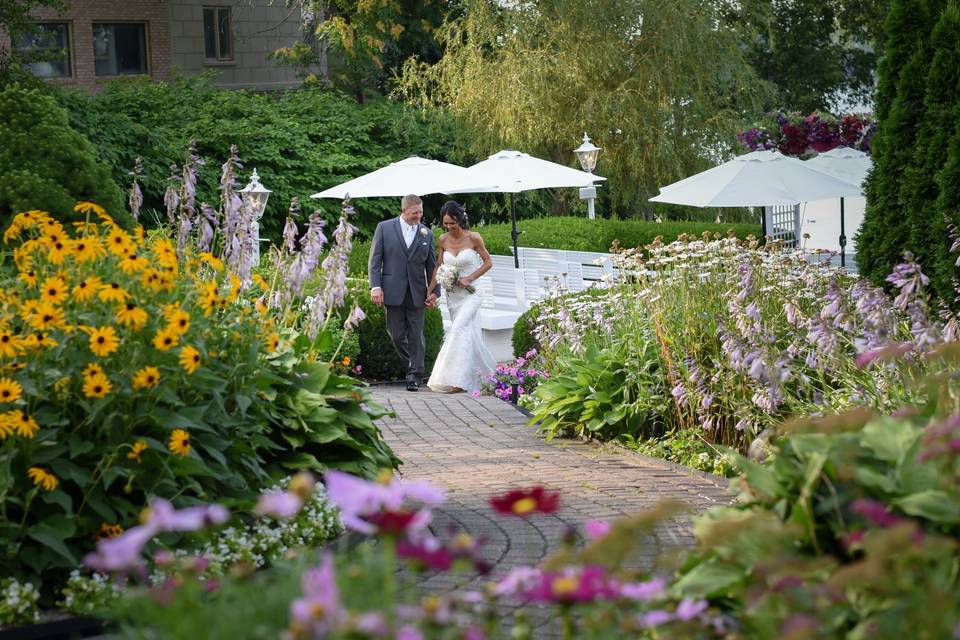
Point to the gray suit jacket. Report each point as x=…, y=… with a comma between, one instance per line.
x=396, y=269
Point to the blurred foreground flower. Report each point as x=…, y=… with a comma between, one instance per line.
x=523, y=502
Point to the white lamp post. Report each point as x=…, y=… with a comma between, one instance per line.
x=255, y=197
x=587, y=154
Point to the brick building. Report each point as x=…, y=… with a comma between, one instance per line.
x=108, y=39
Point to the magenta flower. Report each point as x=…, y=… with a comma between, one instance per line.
x=279, y=504
x=571, y=585
x=427, y=553
x=875, y=512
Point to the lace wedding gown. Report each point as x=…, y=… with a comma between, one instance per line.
x=463, y=359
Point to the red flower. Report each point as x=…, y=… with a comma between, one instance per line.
x=523, y=502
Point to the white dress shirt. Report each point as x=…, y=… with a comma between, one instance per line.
x=409, y=232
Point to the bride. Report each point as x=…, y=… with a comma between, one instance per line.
x=461, y=259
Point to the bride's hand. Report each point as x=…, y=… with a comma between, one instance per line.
x=464, y=282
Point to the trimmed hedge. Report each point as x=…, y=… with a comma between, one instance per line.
x=522, y=338
x=573, y=234
x=377, y=356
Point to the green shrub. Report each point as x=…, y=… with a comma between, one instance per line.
x=377, y=357
x=864, y=508
x=522, y=338
x=300, y=141
x=45, y=163
x=575, y=234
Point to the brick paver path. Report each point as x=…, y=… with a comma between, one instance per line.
x=477, y=447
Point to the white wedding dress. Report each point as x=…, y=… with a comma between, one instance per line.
x=463, y=359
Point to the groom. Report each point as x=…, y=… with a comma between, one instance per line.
x=401, y=264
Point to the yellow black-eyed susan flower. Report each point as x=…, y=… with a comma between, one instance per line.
x=10, y=344
x=43, y=478
x=47, y=316
x=108, y=531
x=119, y=242
x=165, y=339
x=150, y=279
x=104, y=341
x=85, y=207
x=131, y=315
x=133, y=262
x=10, y=390
x=189, y=359
x=136, y=450
x=212, y=260
x=179, y=321
x=86, y=288
x=96, y=385
x=23, y=423
x=87, y=249
x=258, y=280
x=272, y=342
x=112, y=292
x=59, y=251
x=54, y=290
x=179, y=442
x=6, y=427
x=28, y=277
x=146, y=378
x=92, y=369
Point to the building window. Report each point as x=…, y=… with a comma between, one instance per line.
x=217, y=40
x=46, y=51
x=119, y=49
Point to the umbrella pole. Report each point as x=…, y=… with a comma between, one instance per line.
x=843, y=238
x=513, y=231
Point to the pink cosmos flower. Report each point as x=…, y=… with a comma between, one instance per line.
x=319, y=608
x=371, y=507
x=688, y=609
x=644, y=591
x=571, y=585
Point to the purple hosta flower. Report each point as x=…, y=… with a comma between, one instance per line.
x=183, y=233
x=834, y=312
x=910, y=280
x=290, y=233
x=189, y=184
x=208, y=224
x=135, y=199
x=171, y=198
x=745, y=272
x=644, y=591
x=823, y=337
x=311, y=247
x=793, y=314
x=353, y=320
x=753, y=311
x=926, y=333
x=378, y=507
x=318, y=611
x=232, y=203
x=124, y=551
x=679, y=393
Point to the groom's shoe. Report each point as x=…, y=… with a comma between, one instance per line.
x=412, y=385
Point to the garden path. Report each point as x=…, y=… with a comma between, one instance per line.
x=477, y=447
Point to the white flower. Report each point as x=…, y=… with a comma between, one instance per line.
x=424, y=232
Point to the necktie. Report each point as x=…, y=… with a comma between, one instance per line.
x=408, y=232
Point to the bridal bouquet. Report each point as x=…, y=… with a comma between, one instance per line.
x=449, y=276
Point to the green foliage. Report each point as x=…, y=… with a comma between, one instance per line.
x=300, y=141
x=522, y=338
x=45, y=163
x=506, y=77
x=863, y=507
x=377, y=357
x=684, y=448
x=578, y=234
x=605, y=393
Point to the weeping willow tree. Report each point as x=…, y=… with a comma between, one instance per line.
x=661, y=85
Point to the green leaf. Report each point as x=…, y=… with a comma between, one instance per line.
x=890, y=439
x=936, y=506
x=709, y=578
x=53, y=539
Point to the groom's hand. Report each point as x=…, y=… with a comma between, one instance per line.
x=376, y=296
x=431, y=300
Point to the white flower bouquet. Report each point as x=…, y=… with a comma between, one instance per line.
x=449, y=276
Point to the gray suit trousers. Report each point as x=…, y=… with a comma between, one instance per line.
x=405, y=326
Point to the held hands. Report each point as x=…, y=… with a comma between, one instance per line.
x=431, y=301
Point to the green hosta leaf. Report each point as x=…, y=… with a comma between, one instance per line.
x=761, y=479
x=889, y=439
x=933, y=505
x=710, y=578
x=299, y=461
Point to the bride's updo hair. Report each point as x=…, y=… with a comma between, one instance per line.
x=457, y=212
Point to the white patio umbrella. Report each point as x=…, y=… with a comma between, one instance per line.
x=513, y=172
x=412, y=175
x=757, y=179
x=849, y=165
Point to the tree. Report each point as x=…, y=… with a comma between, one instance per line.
x=370, y=40
x=45, y=164
x=661, y=85
x=927, y=227
x=900, y=93
x=816, y=51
